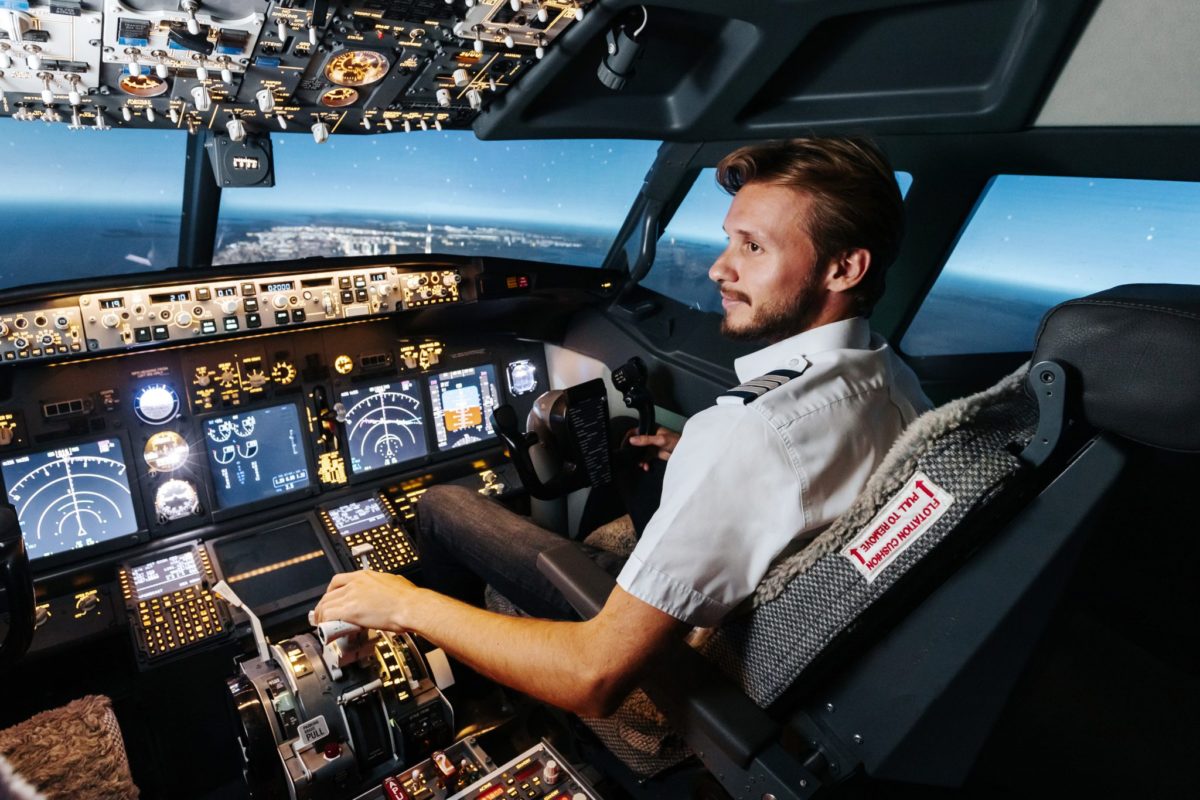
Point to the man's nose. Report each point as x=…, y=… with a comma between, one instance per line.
x=721, y=270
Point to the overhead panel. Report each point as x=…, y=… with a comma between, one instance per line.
x=250, y=66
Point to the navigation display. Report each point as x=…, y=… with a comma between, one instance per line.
x=70, y=497
x=358, y=516
x=165, y=575
x=385, y=425
x=463, y=401
x=255, y=455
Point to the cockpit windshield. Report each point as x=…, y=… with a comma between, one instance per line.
x=79, y=203
x=436, y=192
x=113, y=206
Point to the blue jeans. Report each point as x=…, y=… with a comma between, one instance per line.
x=467, y=541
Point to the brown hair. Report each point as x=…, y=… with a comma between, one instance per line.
x=857, y=201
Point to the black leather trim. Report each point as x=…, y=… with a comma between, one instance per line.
x=1135, y=352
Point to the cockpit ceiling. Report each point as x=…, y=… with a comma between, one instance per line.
x=1135, y=64
x=706, y=70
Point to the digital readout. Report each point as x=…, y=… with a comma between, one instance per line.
x=282, y=286
x=379, y=276
x=358, y=516
x=171, y=297
x=112, y=302
x=225, y=291
x=165, y=575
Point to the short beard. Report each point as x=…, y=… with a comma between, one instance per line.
x=778, y=321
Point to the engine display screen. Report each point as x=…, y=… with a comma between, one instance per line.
x=273, y=569
x=463, y=401
x=385, y=425
x=71, y=497
x=165, y=575
x=358, y=516
x=255, y=455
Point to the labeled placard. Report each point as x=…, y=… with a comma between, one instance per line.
x=310, y=732
x=904, y=519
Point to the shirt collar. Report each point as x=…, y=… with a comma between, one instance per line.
x=845, y=334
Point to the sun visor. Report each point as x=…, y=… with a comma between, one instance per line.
x=1135, y=351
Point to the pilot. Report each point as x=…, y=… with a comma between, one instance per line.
x=813, y=226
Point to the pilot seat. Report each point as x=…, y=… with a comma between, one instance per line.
x=888, y=646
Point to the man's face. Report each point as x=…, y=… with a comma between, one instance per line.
x=771, y=287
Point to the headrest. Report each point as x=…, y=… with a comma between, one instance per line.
x=1134, y=351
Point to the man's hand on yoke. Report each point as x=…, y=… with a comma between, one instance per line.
x=663, y=440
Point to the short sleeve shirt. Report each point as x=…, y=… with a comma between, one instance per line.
x=751, y=481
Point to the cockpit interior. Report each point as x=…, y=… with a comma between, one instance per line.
x=273, y=269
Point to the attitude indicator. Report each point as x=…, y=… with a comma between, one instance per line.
x=71, y=497
x=385, y=425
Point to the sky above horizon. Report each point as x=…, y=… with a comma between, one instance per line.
x=1072, y=234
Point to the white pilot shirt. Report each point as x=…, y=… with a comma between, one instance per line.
x=748, y=481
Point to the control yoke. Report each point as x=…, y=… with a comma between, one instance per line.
x=630, y=380
x=573, y=424
x=17, y=581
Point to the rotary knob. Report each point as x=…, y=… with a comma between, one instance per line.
x=280, y=301
x=183, y=319
x=229, y=306
x=110, y=320
x=4, y=329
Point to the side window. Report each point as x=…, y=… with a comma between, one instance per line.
x=693, y=240
x=1034, y=241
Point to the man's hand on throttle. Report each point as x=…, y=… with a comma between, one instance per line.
x=664, y=441
x=370, y=600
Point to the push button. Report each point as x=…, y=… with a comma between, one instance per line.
x=141, y=334
x=160, y=332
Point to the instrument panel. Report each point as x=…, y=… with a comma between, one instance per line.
x=119, y=320
x=107, y=453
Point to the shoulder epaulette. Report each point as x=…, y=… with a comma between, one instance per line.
x=750, y=391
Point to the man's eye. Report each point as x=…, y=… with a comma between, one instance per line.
x=753, y=247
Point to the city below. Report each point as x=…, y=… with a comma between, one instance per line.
x=295, y=241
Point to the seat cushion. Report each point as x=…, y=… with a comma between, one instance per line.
x=74, y=751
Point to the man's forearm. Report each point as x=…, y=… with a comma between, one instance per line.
x=555, y=662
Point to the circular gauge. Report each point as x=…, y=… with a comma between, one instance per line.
x=143, y=85
x=71, y=497
x=176, y=499
x=283, y=372
x=339, y=97
x=166, y=451
x=156, y=404
x=384, y=425
x=356, y=68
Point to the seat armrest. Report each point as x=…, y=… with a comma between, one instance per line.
x=583, y=584
x=702, y=704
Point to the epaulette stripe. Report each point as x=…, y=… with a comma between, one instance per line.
x=734, y=397
x=759, y=382
x=751, y=390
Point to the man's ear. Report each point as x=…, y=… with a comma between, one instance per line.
x=848, y=270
